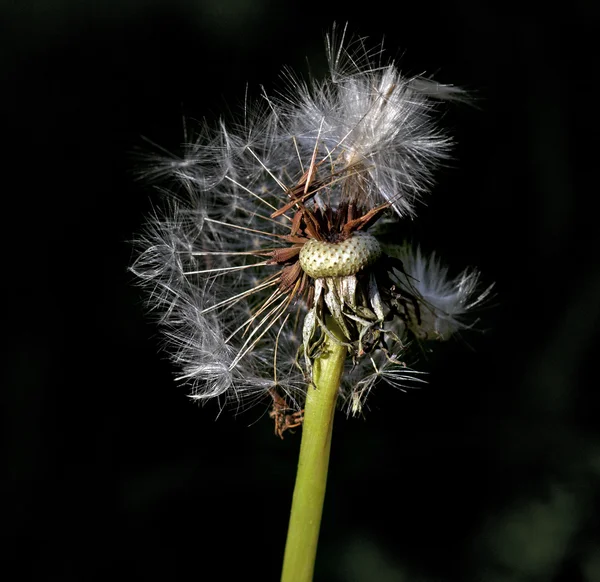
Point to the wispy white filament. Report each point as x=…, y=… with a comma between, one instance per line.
x=444, y=301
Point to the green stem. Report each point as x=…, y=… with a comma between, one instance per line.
x=311, y=478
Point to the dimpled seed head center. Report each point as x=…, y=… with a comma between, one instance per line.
x=325, y=259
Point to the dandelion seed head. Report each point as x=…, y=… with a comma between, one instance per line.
x=270, y=233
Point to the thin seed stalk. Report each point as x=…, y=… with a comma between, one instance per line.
x=313, y=463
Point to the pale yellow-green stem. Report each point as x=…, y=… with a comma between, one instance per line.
x=311, y=478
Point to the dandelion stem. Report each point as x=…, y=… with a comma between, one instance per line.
x=311, y=478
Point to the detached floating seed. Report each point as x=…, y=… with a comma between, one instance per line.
x=325, y=259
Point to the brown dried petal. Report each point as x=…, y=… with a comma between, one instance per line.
x=365, y=220
x=289, y=276
x=284, y=254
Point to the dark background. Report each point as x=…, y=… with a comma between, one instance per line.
x=489, y=473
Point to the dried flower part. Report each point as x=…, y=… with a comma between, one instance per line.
x=275, y=232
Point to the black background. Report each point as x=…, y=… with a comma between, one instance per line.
x=488, y=473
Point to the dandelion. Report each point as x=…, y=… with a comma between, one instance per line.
x=266, y=268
